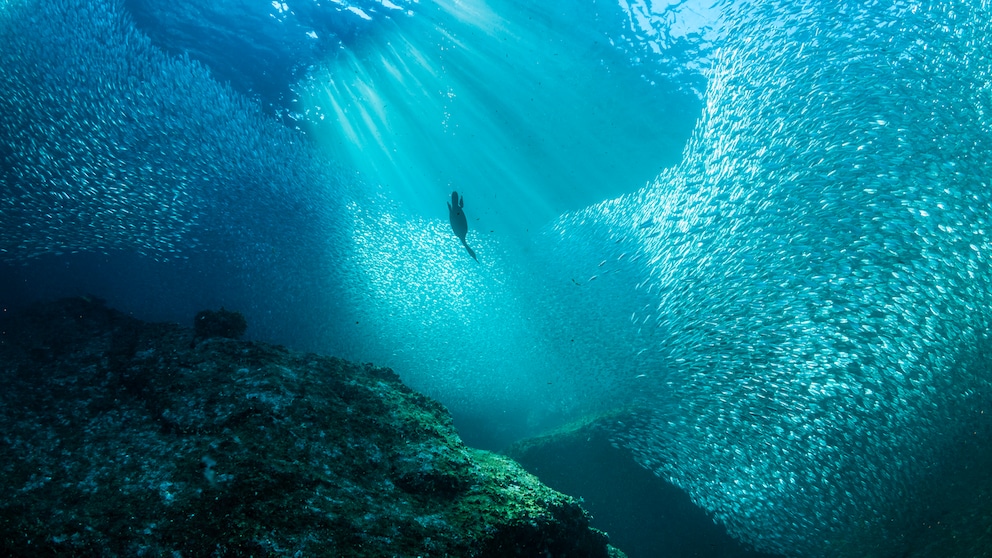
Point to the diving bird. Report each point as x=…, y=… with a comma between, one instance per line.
x=458, y=222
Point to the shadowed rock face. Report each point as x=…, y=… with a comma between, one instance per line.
x=646, y=515
x=649, y=516
x=122, y=438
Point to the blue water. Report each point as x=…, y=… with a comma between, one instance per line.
x=761, y=225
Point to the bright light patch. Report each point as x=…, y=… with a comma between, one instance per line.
x=359, y=12
x=670, y=19
x=527, y=111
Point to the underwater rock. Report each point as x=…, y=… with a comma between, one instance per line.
x=646, y=515
x=121, y=439
x=650, y=516
x=220, y=323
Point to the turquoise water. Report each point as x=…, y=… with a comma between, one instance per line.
x=498, y=101
x=761, y=225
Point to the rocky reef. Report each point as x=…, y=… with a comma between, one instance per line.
x=645, y=515
x=125, y=438
x=649, y=516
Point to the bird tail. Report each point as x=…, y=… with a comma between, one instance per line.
x=471, y=252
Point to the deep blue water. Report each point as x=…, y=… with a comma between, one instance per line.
x=764, y=225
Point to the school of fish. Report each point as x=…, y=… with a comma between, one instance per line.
x=111, y=144
x=813, y=280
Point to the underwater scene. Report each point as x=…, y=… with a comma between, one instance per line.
x=717, y=272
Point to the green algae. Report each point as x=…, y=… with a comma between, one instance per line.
x=127, y=438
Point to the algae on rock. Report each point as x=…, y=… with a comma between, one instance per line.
x=125, y=438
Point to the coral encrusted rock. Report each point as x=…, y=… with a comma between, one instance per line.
x=122, y=438
x=219, y=323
